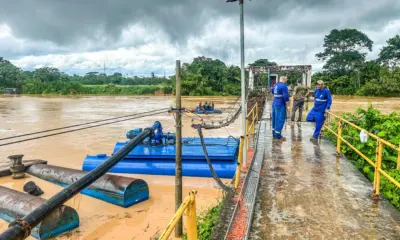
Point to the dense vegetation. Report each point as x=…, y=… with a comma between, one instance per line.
x=346, y=71
x=385, y=126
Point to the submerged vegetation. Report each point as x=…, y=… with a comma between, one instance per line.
x=384, y=126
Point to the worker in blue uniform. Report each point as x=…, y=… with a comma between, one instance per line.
x=281, y=97
x=322, y=103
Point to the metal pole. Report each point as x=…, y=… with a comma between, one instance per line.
x=178, y=160
x=243, y=80
x=269, y=79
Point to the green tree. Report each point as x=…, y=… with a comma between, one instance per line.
x=48, y=74
x=344, y=50
x=390, y=54
x=10, y=75
x=262, y=62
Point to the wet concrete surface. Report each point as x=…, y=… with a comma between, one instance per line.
x=306, y=192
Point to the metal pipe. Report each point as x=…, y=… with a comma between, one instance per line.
x=15, y=205
x=18, y=230
x=243, y=80
x=178, y=159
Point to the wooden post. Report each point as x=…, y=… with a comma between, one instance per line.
x=178, y=159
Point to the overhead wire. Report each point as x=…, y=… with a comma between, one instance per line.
x=76, y=125
x=78, y=129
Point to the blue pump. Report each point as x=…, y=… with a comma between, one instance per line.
x=158, y=137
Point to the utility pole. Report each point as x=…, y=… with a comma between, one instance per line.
x=242, y=79
x=178, y=160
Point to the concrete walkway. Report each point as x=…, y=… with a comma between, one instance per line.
x=306, y=192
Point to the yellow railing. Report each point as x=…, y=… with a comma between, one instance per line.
x=251, y=120
x=188, y=204
x=239, y=165
x=379, y=150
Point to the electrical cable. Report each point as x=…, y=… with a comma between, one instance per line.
x=213, y=173
x=78, y=129
x=76, y=125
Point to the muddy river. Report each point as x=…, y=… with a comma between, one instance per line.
x=100, y=220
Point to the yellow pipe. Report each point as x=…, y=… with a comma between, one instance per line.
x=398, y=158
x=370, y=134
x=239, y=165
x=379, y=154
x=247, y=133
x=177, y=216
x=352, y=147
x=191, y=217
x=377, y=168
x=338, y=150
x=390, y=178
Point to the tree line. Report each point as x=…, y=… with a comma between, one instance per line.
x=346, y=71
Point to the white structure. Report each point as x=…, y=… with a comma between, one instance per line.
x=276, y=70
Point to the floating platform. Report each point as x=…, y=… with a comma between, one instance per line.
x=15, y=205
x=118, y=190
x=160, y=159
x=215, y=111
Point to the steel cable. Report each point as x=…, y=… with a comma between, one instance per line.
x=78, y=129
x=213, y=173
x=76, y=125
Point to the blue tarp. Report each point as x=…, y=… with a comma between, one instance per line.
x=160, y=160
x=221, y=149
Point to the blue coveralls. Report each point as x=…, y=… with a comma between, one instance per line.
x=281, y=96
x=322, y=102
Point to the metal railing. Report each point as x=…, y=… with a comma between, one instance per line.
x=251, y=120
x=188, y=204
x=381, y=143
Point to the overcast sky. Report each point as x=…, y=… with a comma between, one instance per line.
x=144, y=36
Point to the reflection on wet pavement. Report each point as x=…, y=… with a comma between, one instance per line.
x=306, y=192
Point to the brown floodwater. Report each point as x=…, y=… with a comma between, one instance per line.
x=100, y=220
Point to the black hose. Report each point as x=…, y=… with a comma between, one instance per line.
x=78, y=129
x=213, y=173
x=19, y=229
x=76, y=125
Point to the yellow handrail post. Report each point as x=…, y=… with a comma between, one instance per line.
x=398, y=158
x=188, y=204
x=339, y=140
x=247, y=132
x=239, y=165
x=378, y=164
x=257, y=111
x=191, y=217
x=253, y=122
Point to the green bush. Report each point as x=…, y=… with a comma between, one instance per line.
x=206, y=222
x=384, y=126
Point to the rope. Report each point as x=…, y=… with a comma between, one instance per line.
x=78, y=129
x=76, y=125
x=213, y=173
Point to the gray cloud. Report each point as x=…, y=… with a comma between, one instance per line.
x=285, y=27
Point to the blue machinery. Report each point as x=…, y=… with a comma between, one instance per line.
x=156, y=156
x=21, y=228
x=148, y=151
